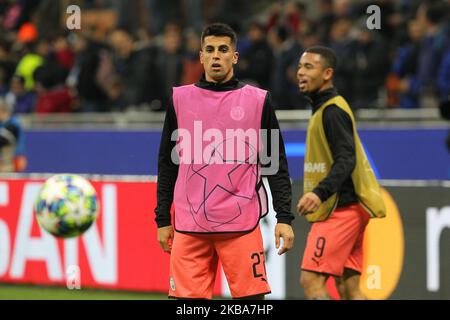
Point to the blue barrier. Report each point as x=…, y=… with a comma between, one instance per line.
x=395, y=153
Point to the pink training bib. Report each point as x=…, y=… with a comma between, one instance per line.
x=218, y=143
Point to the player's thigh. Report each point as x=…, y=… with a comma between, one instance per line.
x=355, y=259
x=193, y=266
x=243, y=263
x=351, y=279
x=309, y=279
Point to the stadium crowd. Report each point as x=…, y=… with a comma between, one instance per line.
x=129, y=54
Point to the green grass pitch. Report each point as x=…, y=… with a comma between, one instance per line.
x=30, y=292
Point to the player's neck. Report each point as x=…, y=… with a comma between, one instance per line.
x=219, y=81
x=325, y=86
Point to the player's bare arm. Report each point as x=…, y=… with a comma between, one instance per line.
x=285, y=232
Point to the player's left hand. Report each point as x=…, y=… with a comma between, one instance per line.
x=284, y=231
x=310, y=202
x=165, y=238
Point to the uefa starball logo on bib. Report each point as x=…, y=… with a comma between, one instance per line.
x=237, y=113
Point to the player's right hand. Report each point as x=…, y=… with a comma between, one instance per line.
x=285, y=232
x=165, y=238
x=309, y=203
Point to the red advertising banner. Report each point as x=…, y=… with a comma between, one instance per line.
x=120, y=251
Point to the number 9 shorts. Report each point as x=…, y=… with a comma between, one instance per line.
x=337, y=243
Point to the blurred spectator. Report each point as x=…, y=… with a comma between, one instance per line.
x=7, y=67
x=343, y=9
x=53, y=97
x=232, y=12
x=284, y=86
x=83, y=75
x=48, y=15
x=133, y=15
x=63, y=53
x=290, y=14
x=3, y=83
x=22, y=100
x=136, y=69
x=443, y=80
x=371, y=67
x=161, y=12
x=443, y=84
x=12, y=143
x=27, y=33
x=257, y=61
x=309, y=38
x=33, y=57
x=192, y=68
x=444, y=89
x=390, y=19
x=408, y=8
x=100, y=17
x=325, y=21
x=46, y=48
x=344, y=47
x=432, y=18
x=128, y=53
x=401, y=83
x=17, y=13
x=193, y=13
x=169, y=63
x=153, y=15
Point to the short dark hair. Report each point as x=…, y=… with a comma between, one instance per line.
x=219, y=30
x=327, y=55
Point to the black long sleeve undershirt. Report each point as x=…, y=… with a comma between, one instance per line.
x=338, y=129
x=280, y=183
x=167, y=169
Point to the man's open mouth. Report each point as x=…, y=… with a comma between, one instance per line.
x=302, y=84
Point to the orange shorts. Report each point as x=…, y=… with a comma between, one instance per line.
x=194, y=259
x=337, y=243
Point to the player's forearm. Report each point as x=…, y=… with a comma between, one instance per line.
x=167, y=169
x=162, y=217
x=166, y=185
x=280, y=187
x=167, y=177
x=279, y=182
x=339, y=132
x=339, y=173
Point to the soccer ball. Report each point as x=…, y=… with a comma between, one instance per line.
x=67, y=205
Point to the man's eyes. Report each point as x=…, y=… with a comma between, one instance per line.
x=224, y=50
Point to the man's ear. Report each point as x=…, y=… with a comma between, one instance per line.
x=328, y=74
x=200, y=54
x=235, y=57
